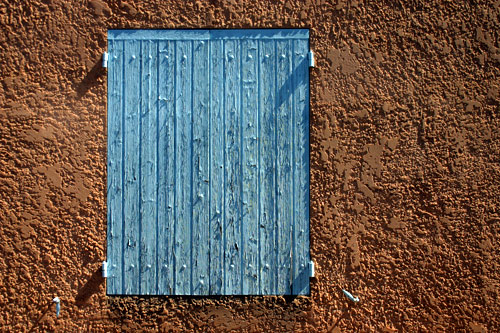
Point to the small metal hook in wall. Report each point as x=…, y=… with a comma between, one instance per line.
x=58, y=305
x=349, y=295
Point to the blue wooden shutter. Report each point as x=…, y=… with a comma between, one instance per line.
x=208, y=162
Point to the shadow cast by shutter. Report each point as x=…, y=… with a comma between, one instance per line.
x=91, y=79
x=344, y=314
x=207, y=312
x=46, y=306
x=90, y=288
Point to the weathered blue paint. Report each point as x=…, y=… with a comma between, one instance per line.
x=166, y=167
x=131, y=159
x=249, y=166
x=148, y=175
x=115, y=168
x=300, y=235
x=268, y=167
x=216, y=180
x=183, y=181
x=200, y=160
x=239, y=34
x=208, y=162
x=283, y=172
x=232, y=169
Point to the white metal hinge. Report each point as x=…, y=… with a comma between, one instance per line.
x=312, y=272
x=311, y=59
x=104, y=269
x=105, y=57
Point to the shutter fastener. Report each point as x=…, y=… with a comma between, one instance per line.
x=104, y=269
x=58, y=305
x=311, y=59
x=312, y=272
x=105, y=57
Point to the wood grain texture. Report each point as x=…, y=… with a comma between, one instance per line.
x=267, y=170
x=184, y=148
x=216, y=167
x=300, y=78
x=249, y=175
x=115, y=167
x=166, y=166
x=131, y=157
x=147, y=169
x=232, y=188
x=200, y=158
x=284, y=207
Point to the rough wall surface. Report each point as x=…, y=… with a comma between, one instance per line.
x=405, y=167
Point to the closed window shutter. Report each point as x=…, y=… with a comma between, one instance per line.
x=208, y=162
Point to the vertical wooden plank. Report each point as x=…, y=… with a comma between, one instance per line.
x=301, y=167
x=166, y=166
x=283, y=172
x=131, y=159
x=267, y=120
x=217, y=126
x=250, y=222
x=148, y=164
x=232, y=228
x=200, y=170
x=183, y=204
x=115, y=167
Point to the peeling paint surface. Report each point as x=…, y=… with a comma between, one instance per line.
x=208, y=162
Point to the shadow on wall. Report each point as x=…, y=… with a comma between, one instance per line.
x=227, y=313
x=90, y=79
x=334, y=328
x=90, y=288
x=44, y=308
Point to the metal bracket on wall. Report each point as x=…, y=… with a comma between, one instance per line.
x=104, y=269
x=311, y=59
x=105, y=57
x=312, y=272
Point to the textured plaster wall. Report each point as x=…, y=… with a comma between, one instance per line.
x=405, y=170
